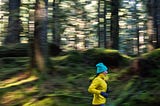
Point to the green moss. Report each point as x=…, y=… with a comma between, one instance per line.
x=153, y=54
x=16, y=50
x=143, y=99
x=43, y=102
x=153, y=57
x=68, y=86
x=111, y=58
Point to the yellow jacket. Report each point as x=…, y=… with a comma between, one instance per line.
x=97, y=86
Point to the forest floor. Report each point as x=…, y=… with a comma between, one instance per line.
x=68, y=84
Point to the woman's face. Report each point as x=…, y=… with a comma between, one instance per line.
x=105, y=72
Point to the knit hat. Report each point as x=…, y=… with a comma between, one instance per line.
x=101, y=68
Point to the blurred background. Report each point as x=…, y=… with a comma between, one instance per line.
x=49, y=49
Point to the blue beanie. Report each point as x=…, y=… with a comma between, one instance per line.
x=101, y=68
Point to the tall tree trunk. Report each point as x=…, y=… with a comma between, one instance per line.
x=14, y=25
x=137, y=28
x=102, y=24
x=40, y=58
x=114, y=24
x=56, y=23
x=153, y=23
x=158, y=23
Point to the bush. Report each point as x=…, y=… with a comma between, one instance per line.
x=146, y=64
x=17, y=50
x=22, y=50
x=153, y=57
x=111, y=58
x=54, y=50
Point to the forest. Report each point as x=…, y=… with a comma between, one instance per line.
x=49, y=50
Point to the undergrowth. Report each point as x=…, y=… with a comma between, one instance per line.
x=69, y=83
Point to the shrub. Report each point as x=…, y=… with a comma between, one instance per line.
x=153, y=57
x=22, y=50
x=111, y=58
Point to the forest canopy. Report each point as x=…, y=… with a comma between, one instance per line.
x=129, y=26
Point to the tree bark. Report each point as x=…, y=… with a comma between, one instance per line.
x=114, y=24
x=56, y=23
x=102, y=24
x=14, y=24
x=40, y=46
x=153, y=23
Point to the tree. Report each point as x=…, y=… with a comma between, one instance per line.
x=114, y=24
x=14, y=25
x=153, y=7
x=158, y=23
x=40, y=57
x=102, y=24
x=56, y=23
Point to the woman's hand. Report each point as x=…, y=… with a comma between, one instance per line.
x=104, y=94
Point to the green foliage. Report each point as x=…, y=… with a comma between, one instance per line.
x=43, y=102
x=54, y=50
x=68, y=85
x=153, y=57
x=144, y=94
x=147, y=65
x=17, y=50
x=12, y=65
x=144, y=99
x=111, y=58
x=23, y=50
x=74, y=57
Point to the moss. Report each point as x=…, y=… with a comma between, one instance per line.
x=153, y=57
x=143, y=99
x=43, y=102
x=23, y=50
x=68, y=86
x=111, y=58
x=16, y=50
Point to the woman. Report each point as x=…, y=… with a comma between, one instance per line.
x=98, y=87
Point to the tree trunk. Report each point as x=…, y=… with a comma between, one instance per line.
x=14, y=24
x=114, y=24
x=158, y=23
x=56, y=23
x=153, y=23
x=40, y=58
x=102, y=24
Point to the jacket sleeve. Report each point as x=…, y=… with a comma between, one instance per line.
x=92, y=88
